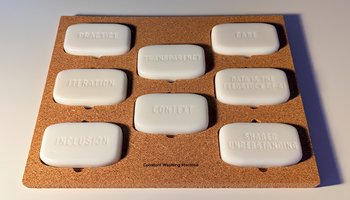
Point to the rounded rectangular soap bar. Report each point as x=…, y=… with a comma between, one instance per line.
x=97, y=40
x=171, y=114
x=260, y=145
x=252, y=86
x=171, y=62
x=245, y=39
x=90, y=87
x=80, y=145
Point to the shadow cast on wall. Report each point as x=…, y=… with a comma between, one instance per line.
x=321, y=140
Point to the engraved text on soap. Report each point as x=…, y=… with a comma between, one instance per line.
x=194, y=57
x=90, y=82
x=253, y=82
x=80, y=141
x=246, y=34
x=262, y=141
x=98, y=35
x=172, y=109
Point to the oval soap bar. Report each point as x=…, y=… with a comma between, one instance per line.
x=97, y=40
x=260, y=145
x=171, y=114
x=171, y=62
x=252, y=86
x=80, y=145
x=245, y=39
x=90, y=87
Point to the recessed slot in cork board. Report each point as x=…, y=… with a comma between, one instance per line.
x=183, y=161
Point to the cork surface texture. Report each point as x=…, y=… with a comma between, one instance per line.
x=183, y=161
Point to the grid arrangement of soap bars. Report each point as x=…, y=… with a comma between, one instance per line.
x=147, y=110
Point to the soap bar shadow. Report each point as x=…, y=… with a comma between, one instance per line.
x=325, y=156
x=130, y=79
x=133, y=35
x=281, y=35
x=209, y=57
x=292, y=82
x=126, y=139
x=212, y=110
x=304, y=141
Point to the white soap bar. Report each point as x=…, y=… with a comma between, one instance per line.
x=97, y=40
x=90, y=87
x=260, y=145
x=171, y=114
x=80, y=145
x=245, y=39
x=252, y=86
x=171, y=62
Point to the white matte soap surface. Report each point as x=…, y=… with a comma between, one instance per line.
x=245, y=39
x=260, y=145
x=90, y=87
x=171, y=114
x=171, y=62
x=80, y=145
x=97, y=40
x=251, y=86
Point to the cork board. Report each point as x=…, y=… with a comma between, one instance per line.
x=183, y=161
